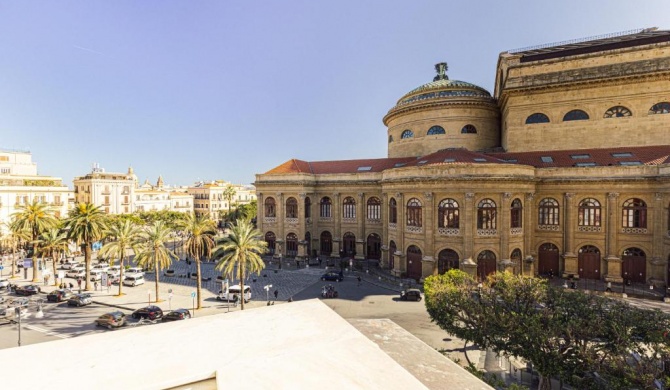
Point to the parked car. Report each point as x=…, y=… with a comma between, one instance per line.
x=16, y=302
x=30, y=289
x=133, y=280
x=134, y=271
x=59, y=295
x=114, y=271
x=4, y=283
x=96, y=274
x=176, y=315
x=332, y=276
x=151, y=312
x=80, y=300
x=111, y=320
x=69, y=265
x=114, y=279
x=76, y=273
x=101, y=267
x=233, y=292
x=412, y=294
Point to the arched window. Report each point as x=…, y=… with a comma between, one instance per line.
x=589, y=212
x=414, y=213
x=271, y=239
x=407, y=134
x=617, y=112
x=660, y=108
x=516, y=214
x=390, y=138
x=291, y=208
x=308, y=207
x=436, y=130
x=447, y=259
x=349, y=207
x=270, y=207
x=448, y=214
x=575, y=115
x=486, y=214
x=634, y=213
x=469, y=129
x=393, y=211
x=349, y=244
x=634, y=252
x=374, y=209
x=515, y=257
x=548, y=212
x=325, y=207
x=486, y=264
x=538, y=117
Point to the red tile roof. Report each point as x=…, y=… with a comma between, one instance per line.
x=640, y=155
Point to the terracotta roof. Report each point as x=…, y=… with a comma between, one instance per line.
x=638, y=155
x=291, y=166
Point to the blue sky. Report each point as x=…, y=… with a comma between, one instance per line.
x=204, y=90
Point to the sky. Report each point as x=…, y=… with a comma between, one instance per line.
x=224, y=90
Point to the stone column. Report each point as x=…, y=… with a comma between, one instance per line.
x=504, y=229
x=429, y=228
x=469, y=225
x=612, y=259
x=337, y=218
x=528, y=234
x=260, y=212
x=302, y=224
x=400, y=244
x=360, y=223
x=281, y=217
x=569, y=257
x=658, y=261
x=385, y=231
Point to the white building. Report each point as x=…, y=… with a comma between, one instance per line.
x=209, y=197
x=114, y=192
x=160, y=197
x=20, y=184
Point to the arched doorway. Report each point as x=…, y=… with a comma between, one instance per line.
x=486, y=264
x=515, y=258
x=326, y=243
x=446, y=260
x=634, y=265
x=291, y=245
x=308, y=240
x=271, y=239
x=588, y=261
x=374, y=247
x=392, y=249
x=547, y=259
x=414, y=262
x=349, y=244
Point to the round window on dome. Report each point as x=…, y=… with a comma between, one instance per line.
x=407, y=134
x=436, y=130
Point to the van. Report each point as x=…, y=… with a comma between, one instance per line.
x=96, y=274
x=134, y=271
x=133, y=280
x=234, y=291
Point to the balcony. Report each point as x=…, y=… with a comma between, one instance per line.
x=552, y=228
x=486, y=232
x=443, y=231
x=516, y=231
x=633, y=230
x=414, y=229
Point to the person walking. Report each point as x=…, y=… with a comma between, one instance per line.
x=359, y=281
x=95, y=286
x=276, y=294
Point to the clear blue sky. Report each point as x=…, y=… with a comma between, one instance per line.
x=203, y=90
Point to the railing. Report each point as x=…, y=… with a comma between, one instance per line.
x=516, y=231
x=414, y=229
x=634, y=230
x=374, y=221
x=270, y=219
x=348, y=220
x=487, y=232
x=292, y=221
x=325, y=219
x=443, y=231
x=549, y=227
x=393, y=226
x=590, y=229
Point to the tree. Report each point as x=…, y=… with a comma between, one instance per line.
x=35, y=217
x=53, y=241
x=13, y=239
x=152, y=251
x=228, y=194
x=200, y=232
x=125, y=235
x=85, y=225
x=583, y=340
x=241, y=252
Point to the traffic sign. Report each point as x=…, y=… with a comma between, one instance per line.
x=193, y=294
x=2, y=267
x=27, y=263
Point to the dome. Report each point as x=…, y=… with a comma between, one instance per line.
x=443, y=88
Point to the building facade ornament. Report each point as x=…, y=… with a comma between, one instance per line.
x=612, y=195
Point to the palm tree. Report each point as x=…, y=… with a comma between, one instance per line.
x=85, y=225
x=200, y=232
x=53, y=241
x=228, y=194
x=35, y=217
x=13, y=239
x=241, y=251
x=152, y=251
x=125, y=234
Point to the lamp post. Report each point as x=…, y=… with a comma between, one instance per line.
x=581, y=275
x=17, y=313
x=595, y=281
x=267, y=292
x=625, y=276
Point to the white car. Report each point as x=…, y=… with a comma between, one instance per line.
x=133, y=280
x=134, y=271
x=114, y=271
x=4, y=283
x=96, y=274
x=76, y=273
x=69, y=265
x=101, y=267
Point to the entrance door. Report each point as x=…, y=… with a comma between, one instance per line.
x=547, y=262
x=349, y=243
x=446, y=260
x=634, y=265
x=589, y=262
x=486, y=264
x=374, y=247
x=326, y=244
x=414, y=262
x=271, y=239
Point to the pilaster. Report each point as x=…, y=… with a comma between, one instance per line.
x=469, y=226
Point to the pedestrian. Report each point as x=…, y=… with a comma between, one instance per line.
x=71, y=286
x=609, y=287
x=359, y=280
x=319, y=260
x=276, y=294
x=95, y=286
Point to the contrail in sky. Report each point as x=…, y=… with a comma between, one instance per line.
x=89, y=50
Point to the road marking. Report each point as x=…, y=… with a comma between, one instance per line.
x=47, y=332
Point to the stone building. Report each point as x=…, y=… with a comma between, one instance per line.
x=565, y=169
x=113, y=192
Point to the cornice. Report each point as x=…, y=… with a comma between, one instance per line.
x=396, y=111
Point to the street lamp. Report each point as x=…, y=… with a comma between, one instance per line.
x=17, y=313
x=625, y=276
x=595, y=281
x=267, y=292
x=581, y=275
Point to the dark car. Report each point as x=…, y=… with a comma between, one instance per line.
x=150, y=312
x=30, y=289
x=79, y=300
x=411, y=295
x=332, y=276
x=111, y=320
x=59, y=295
x=176, y=315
